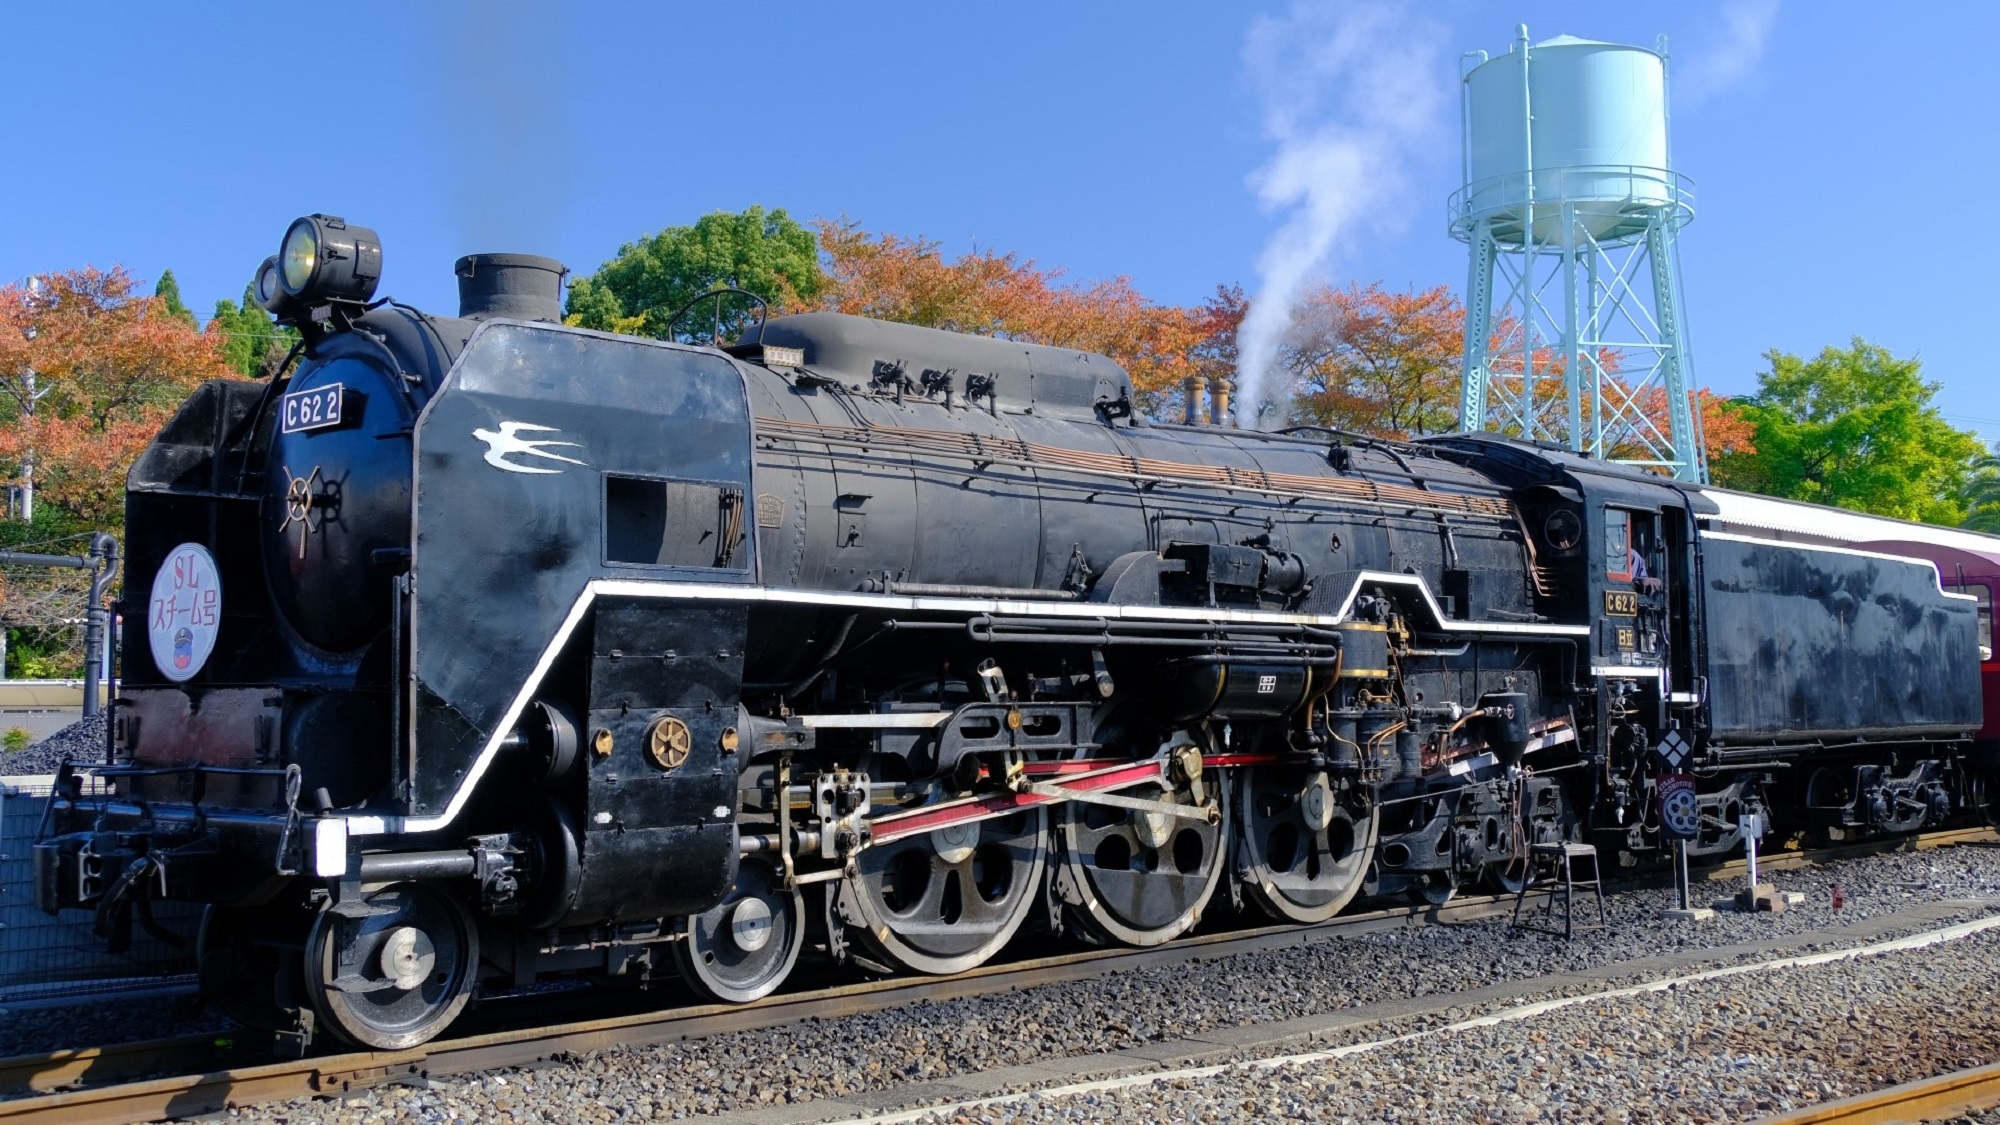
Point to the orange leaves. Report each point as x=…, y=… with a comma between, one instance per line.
x=81, y=466
x=88, y=371
x=909, y=280
x=1365, y=359
x=1725, y=429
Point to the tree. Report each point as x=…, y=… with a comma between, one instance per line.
x=1855, y=428
x=1725, y=430
x=993, y=294
x=1368, y=360
x=168, y=292
x=764, y=252
x=252, y=343
x=1981, y=494
x=88, y=372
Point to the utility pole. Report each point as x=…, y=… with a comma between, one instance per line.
x=31, y=393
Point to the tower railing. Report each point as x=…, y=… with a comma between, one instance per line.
x=1629, y=188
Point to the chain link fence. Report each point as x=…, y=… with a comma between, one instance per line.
x=48, y=961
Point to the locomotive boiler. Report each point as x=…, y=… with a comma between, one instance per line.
x=479, y=648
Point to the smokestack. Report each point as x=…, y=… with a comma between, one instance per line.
x=1219, y=411
x=515, y=286
x=1197, y=389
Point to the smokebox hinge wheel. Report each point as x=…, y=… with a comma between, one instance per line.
x=669, y=742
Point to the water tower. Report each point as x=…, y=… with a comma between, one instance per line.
x=1575, y=331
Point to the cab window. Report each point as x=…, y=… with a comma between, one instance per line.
x=1617, y=545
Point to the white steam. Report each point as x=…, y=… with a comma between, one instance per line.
x=1350, y=93
x=1716, y=66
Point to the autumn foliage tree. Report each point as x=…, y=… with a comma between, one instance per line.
x=1365, y=359
x=89, y=371
x=986, y=292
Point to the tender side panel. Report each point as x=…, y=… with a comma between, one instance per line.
x=1808, y=642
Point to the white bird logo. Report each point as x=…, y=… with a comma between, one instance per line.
x=507, y=441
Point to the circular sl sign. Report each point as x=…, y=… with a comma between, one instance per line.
x=185, y=611
x=1680, y=807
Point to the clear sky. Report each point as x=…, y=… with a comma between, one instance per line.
x=1843, y=153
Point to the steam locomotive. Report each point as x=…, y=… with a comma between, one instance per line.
x=480, y=649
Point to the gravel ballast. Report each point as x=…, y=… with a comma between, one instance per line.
x=1734, y=1049
x=907, y=1056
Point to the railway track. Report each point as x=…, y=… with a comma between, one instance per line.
x=109, y=1085
x=1932, y=1099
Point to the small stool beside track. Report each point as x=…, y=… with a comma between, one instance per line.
x=1560, y=877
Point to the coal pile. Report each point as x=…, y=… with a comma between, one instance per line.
x=81, y=741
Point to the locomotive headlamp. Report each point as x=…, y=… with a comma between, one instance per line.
x=324, y=259
x=270, y=292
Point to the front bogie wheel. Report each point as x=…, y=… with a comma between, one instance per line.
x=744, y=947
x=394, y=968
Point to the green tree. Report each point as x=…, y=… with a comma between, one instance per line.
x=765, y=252
x=252, y=342
x=168, y=292
x=1981, y=494
x=1855, y=428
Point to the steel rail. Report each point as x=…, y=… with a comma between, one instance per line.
x=220, y=1083
x=1929, y=1099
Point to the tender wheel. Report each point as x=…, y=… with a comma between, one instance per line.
x=1305, y=855
x=397, y=976
x=946, y=901
x=746, y=945
x=1143, y=878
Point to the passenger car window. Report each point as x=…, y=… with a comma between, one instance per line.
x=1985, y=596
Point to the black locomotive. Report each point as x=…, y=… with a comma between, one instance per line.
x=480, y=648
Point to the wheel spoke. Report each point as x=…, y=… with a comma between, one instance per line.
x=1139, y=878
x=1306, y=855
x=947, y=901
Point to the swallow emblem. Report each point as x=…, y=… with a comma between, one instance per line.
x=507, y=442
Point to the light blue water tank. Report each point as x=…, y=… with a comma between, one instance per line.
x=1584, y=122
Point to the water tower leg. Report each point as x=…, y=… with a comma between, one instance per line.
x=1690, y=461
x=1572, y=360
x=1530, y=415
x=1594, y=331
x=1477, y=369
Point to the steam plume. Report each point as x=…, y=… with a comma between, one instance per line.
x=1717, y=65
x=502, y=121
x=1349, y=93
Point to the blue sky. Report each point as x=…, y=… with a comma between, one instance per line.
x=1843, y=153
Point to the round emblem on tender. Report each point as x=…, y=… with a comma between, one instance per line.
x=668, y=742
x=185, y=611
